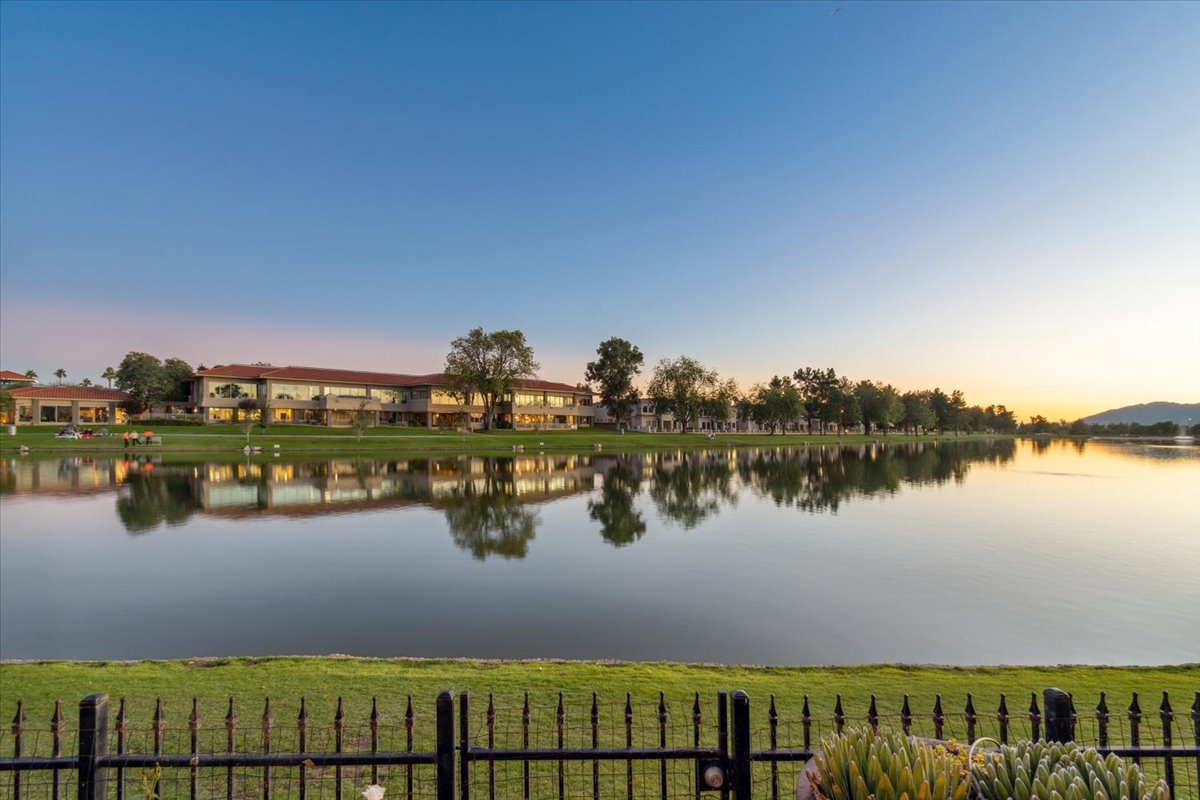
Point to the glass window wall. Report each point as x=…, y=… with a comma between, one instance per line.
x=346, y=391
x=386, y=395
x=528, y=399
x=232, y=390
x=295, y=391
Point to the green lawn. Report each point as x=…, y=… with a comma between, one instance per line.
x=322, y=680
x=293, y=439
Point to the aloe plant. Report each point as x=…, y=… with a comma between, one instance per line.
x=864, y=764
x=1044, y=770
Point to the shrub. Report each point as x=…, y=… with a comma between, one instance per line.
x=164, y=422
x=1035, y=770
x=862, y=764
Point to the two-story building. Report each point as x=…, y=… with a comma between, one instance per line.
x=643, y=415
x=320, y=396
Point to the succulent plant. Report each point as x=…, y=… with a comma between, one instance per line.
x=864, y=764
x=1051, y=771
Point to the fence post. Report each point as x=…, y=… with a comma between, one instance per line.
x=464, y=746
x=741, y=746
x=93, y=745
x=1057, y=708
x=723, y=736
x=444, y=747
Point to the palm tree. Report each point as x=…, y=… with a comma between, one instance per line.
x=86, y=382
x=61, y=374
x=31, y=374
x=108, y=375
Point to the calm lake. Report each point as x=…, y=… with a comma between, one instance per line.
x=997, y=552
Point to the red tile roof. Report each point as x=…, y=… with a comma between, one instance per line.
x=235, y=371
x=247, y=371
x=9, y=375
x=70, y=393
x=551, y=385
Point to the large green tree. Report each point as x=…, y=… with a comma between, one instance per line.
x=776, y=404
x=948, y=408
x=618, y=362
x=880, y=404
x=178, y=374
x=918, y=414
x=680, y=386
x=817, y=389
x=489, y=365
x=843, y=407
x=720, y=401
x=142, y=376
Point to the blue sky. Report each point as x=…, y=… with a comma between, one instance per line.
x=999, y=197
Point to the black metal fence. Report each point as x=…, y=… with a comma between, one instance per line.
x=618, y=750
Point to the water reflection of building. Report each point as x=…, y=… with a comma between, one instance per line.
x=341, y=485
x=64, y=476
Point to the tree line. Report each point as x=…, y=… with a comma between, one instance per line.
x=820, y=397
x=1039, y=425
x=489, y=366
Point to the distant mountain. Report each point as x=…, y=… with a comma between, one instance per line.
x=1149, y=413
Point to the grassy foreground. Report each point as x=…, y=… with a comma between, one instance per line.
x=304, y=439
x=323, y=680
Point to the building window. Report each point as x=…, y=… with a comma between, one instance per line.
x=386, y=395
x=346, y=391
x=527, y=399
x=295, y=391
x=232, y=391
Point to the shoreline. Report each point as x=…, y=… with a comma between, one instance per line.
x=323, y=680
x=40, y=441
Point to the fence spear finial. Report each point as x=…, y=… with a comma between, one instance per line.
x=18, y=723
x=56, y=722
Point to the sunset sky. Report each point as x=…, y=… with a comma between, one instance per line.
x=1000, y=198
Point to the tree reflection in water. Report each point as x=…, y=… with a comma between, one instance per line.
x=620, y=521
x=821, y=479
x=156, y=497
x=692, y=489
x=488, y=519
x=490, y=503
